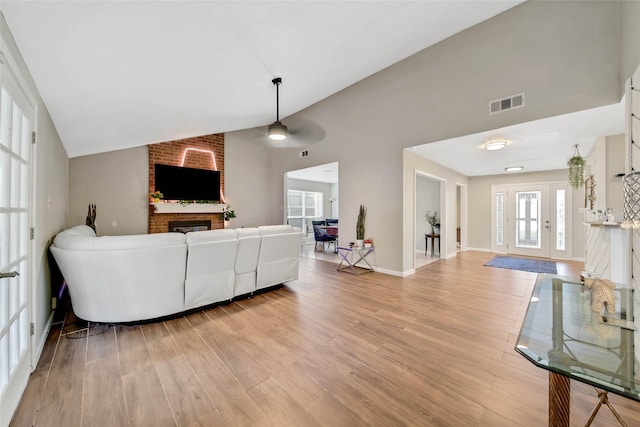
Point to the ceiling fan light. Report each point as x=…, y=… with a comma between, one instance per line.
x=277, y=131
x=495, y=145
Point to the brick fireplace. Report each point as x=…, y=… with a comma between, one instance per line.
x=202, y=152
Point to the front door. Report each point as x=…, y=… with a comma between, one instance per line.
x=532, y=220
x=529, y=220
x=16, y=121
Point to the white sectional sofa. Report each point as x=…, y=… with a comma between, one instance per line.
x=116, y=279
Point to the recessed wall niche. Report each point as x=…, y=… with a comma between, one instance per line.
x=201, y=152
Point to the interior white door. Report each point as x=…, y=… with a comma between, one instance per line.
x=16, y=121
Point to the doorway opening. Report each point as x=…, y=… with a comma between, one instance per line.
x=430, y=215
x=312, y=204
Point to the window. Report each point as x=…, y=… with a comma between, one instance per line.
x=499, y=218
x=303, y=206
x=560, y=220
x=528, y=219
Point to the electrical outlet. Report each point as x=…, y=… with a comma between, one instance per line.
x=114, y=223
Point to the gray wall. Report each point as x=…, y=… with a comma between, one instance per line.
x=118, y=184
x=566, y=56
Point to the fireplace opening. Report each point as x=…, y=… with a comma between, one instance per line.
x=188, y=226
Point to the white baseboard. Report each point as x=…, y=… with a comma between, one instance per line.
x=479, y=249
x=394, y=272
x=42, y=342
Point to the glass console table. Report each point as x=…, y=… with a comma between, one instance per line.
x=562, y=334
x=353, y=260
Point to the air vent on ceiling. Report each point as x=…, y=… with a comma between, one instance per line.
x=504, y=104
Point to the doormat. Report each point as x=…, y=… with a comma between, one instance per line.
x=523, y=264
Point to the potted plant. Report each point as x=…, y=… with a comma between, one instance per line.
x=433, y=220
x=155, y=197
x=576, y=169
x=362, y=215
x=228, y=213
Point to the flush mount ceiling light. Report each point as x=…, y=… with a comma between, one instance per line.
x=514, y=168
x=277, y=131
x=495, y=145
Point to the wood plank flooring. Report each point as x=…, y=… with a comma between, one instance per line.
x=330, y=349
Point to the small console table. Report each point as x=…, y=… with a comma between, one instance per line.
x=431, y=237
x=562, y=334
x=351, y=257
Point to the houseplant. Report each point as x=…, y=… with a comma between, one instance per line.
x=362, y=215
x=576, y=165
x=228, y=213
x=433, y=220
x=155, y=197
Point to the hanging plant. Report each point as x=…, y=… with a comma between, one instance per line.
x=576, y=165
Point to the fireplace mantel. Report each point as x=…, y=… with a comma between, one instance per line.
x=161, y=208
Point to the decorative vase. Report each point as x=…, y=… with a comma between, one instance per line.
x=156, y=200
x=359, y=243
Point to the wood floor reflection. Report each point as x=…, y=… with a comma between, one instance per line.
x=330, y=349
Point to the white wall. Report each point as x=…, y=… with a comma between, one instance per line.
x=117, y=182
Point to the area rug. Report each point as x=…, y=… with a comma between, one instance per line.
x=523, y=264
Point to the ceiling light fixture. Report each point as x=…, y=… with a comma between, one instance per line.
x=277, y=131
x=514, y=168
x=495, y=145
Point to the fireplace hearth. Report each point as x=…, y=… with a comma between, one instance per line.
x=188, y=226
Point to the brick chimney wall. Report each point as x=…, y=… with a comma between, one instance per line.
x=172, y=153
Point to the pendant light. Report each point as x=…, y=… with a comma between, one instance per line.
x=277, y=131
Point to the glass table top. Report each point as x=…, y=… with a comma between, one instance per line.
x=561, y=333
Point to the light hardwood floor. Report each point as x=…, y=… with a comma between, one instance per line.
x=330, y=349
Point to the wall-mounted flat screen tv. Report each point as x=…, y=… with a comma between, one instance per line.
x=179, y=183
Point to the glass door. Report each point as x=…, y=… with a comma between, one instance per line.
x=532, y=220
x=16, y=119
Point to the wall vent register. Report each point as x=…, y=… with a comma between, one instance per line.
x=504, y=104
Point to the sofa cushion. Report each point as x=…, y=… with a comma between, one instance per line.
x=275, y=229
x=247, y=232
x=210, y=236
x=66, y=240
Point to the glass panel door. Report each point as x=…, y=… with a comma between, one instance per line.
x=16, y=118
x=529, y=220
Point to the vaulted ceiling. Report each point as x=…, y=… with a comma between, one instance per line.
x=115, y=75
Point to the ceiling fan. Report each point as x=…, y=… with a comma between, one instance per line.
x=300, y=132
